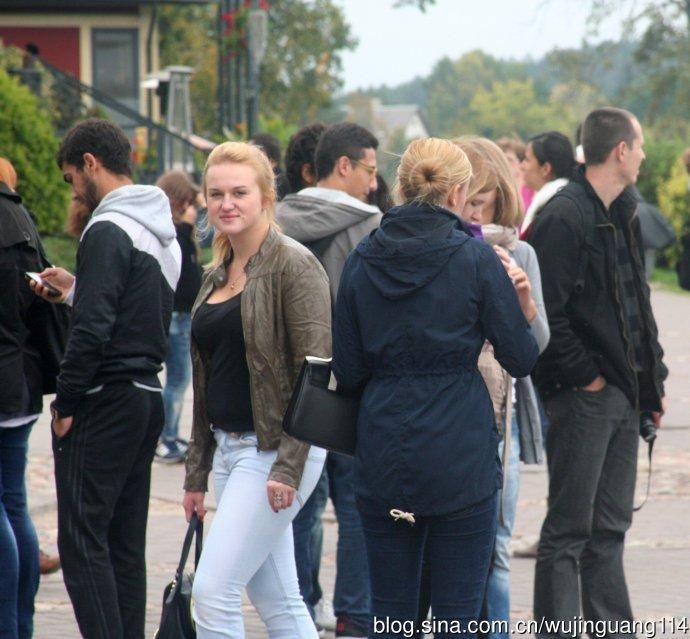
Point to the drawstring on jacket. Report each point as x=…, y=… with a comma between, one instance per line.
x=401, y=514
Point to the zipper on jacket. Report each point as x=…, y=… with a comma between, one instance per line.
x=245, y=326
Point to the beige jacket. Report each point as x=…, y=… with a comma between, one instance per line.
x=286, y=315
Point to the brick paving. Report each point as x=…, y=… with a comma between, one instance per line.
x=658, y=550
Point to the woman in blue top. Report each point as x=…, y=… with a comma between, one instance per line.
x=417, y=299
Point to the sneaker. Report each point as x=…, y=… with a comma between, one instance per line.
x=324, y=615
x=182, y=444
x=527, y=552
x=169, y=453
x=348, y=628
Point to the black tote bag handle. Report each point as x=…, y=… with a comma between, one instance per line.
x=196, y=526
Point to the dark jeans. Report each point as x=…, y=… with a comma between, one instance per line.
x=18, y=543
x=592, y=457
x=459, y=549
x=103, y=479
x=307, y=531
x=352, y=592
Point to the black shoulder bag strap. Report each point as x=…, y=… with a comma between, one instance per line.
x=319, y=247
x=588, y=229
x=588, y=232
x=196, y=526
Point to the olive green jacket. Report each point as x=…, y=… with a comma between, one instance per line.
x=286, y=315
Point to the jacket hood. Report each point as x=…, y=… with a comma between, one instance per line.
x=412, y=245
x=315, y=213
x=147, y=205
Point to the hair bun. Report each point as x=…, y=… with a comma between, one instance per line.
x=429, y=168
x=430, y=178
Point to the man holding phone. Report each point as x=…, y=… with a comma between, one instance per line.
x=108, y=411
x=35, y=277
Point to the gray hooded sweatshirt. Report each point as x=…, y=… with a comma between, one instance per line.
x=329, y=222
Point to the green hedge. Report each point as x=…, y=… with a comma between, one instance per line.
x=674, y=202
x=27, y=139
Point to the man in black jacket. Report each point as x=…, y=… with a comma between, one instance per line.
x=602, y=367
x=108, y=411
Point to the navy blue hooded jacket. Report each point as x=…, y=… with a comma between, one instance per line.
x=417, y=299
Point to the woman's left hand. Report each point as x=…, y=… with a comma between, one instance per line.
x=280, y=496
x=523, y=289
x=504, y=256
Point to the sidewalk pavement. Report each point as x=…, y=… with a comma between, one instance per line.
x=657, y=557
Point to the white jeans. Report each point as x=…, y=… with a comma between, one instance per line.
x=249, y=546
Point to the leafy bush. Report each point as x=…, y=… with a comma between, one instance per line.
x=674, y=202
x=662, y=153
x=27, y=139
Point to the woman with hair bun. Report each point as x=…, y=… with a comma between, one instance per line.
x=546, y=168
x=417, y=299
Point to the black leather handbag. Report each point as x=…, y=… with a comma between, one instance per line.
x=176, y=618
x=320, y=411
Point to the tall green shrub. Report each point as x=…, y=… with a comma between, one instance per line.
x=662, y=153
x=28, y=141
x=674, y=201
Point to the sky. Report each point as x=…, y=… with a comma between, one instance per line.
x=395, y=45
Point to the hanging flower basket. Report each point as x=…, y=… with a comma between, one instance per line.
x=235, y=29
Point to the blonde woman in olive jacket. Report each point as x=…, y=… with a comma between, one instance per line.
x=263, y=307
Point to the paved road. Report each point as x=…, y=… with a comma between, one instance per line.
x=658, y=549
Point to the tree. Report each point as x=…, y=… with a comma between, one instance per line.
x=27, y=139
x=452, y=85
x=420, y=4
x=573, y=100
x=673, y=201
x=511, y=108
x=187, y=37
x=662, y=54
x=302, y=66
x=299, y=73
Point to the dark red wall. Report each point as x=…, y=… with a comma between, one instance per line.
x=59, y=45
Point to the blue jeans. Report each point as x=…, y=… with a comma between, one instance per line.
x=19, y=574
x=352, y=590
x=178, y=372
x=458, y=546
x=498, y=587
x=307, y=530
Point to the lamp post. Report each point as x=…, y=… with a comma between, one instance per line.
x=257, y=36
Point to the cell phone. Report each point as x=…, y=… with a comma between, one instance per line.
x=35, y=277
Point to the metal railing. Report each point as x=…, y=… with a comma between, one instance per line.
x=170, y=148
